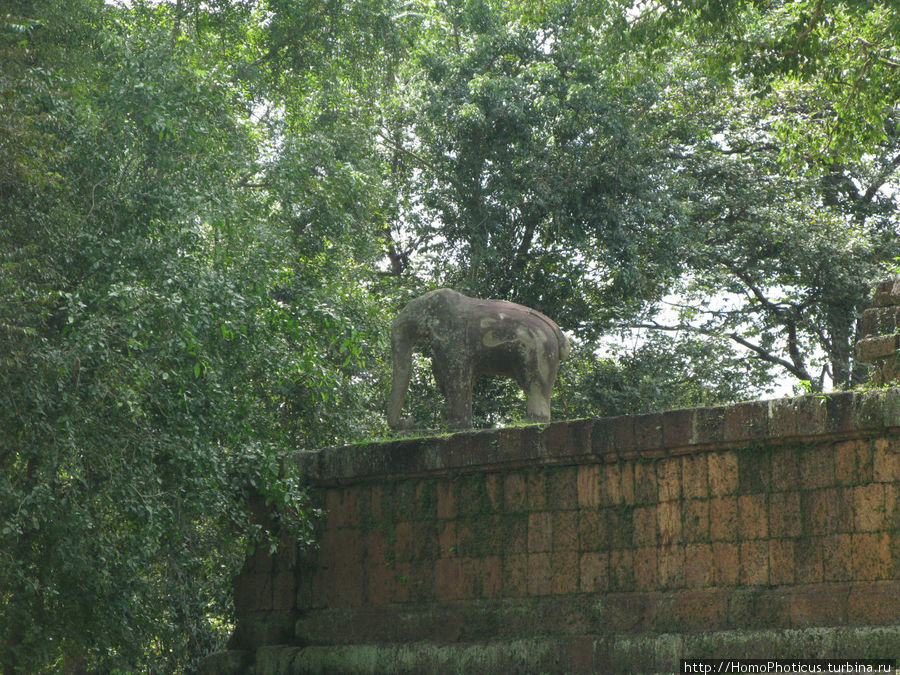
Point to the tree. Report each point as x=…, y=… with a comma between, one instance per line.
x=788, y=174
x=210, y=210
x=531, y=165
x=839, y=58
x=703, y=160
x=659, y=371
x=149, y=351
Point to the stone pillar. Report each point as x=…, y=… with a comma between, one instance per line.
x=880, y=328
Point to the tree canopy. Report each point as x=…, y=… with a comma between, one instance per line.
x=210, y=211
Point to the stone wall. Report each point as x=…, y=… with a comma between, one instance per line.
x=612, y=545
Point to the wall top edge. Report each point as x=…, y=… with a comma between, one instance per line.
x=648, y=436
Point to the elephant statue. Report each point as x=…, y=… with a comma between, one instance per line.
x=470, y=338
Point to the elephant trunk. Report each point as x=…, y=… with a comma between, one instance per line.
x=565, y=347
x=401, y=353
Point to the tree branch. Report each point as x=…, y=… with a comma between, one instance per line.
x=817, y=12
x=868, y=45
x=421, y=160
x=753, y=288
x=794, y=349
x=799, y=372
x=881, y=179
x=406, y=151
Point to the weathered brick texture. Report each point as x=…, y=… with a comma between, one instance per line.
x=773, y=515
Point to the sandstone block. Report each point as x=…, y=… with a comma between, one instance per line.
x=877, y=347
x=540, y=574
x=565, y=530
x=644, y=532
x=646, y=571
x=540, y=531
x=752, y=517
x=784, y=514
x=699, y=571
x=782, y=563
x=754, y=562
x=879, y=321
x=726, y=563
x=722, y=472
x=588, y=485
x=592, y=533
x=514, y=492
x=594, y=571
x=565, y=571
x=671, y=563
x=696, y=520
x=887, y=293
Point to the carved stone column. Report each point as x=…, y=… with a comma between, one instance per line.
x=880, y=326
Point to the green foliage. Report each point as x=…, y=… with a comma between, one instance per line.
x=835, y=62
x=154, y=371
x=620, y=170
x=658, y=373
x=536, y=167
x=781, y=256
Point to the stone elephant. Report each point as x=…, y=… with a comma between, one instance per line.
x=470, y=338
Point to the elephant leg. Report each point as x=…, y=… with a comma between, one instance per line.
x=455, y=380
x=538, y=392
x=537, y=401
x=459, y=407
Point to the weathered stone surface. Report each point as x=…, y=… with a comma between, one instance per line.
x=887, y=293
x=470, y=338
x=879, y=321
x=591, y=536
x=746, y=421
x=627, y=653
x=878, y=408
x=881, y=327
x=614, y=439
x=797, y=417
x=878, y=347
x=231, y=662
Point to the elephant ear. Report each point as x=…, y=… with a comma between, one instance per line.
x=440, y=329
x=440, y=317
